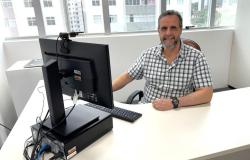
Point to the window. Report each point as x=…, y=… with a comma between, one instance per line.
x=112, y=2
x=132, y=2
x=89, y=16
x=50, y=21
x=95, y=2
x=10, y=23
x=97, y=19
x=6, y=3
x=28, y=3
x=225, y=13
x=131, y=18
x=113, y=18
x=194, y=12
x=47, y=3
x=140, y=15
x=75, y=15
x=180, y=2
x=31, y=21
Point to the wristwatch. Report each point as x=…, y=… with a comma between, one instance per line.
x=175, y=102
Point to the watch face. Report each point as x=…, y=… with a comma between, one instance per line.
x=175, y=102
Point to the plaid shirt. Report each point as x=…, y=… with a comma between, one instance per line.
x=187, y=72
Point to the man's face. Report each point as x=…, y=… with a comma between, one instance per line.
x=169, y=31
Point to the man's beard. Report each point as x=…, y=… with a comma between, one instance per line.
x=170, y=46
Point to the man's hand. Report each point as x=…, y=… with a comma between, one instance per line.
x=162, y=104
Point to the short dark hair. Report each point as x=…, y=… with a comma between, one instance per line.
x=170, y=13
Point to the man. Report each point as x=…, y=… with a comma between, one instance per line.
x=176, y=74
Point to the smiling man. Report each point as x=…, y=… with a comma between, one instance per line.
x=177, y=75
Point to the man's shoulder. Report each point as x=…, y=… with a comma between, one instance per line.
x=154, y=50
x=191, y=51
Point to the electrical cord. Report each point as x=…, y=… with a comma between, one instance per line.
x=38, y=89
x=37, y=143
x=44, y=148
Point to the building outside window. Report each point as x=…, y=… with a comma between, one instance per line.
x=97, y=19
x=50, y=21
x=47, y=3
x=225, y=13
x=132, y=2
x=113, y=18
x=28, y=3
x=95, y=2
x=131, y=18
x=31, y=21
x=112, y=2
x=6, y=3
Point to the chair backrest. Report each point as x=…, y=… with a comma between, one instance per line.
x=192, y=43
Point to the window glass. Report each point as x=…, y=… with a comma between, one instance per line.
x=31, y=21
x=50, y=21
x=113, y=18
x=134, y=15
x=93, y=16
x=28, y=3
x=97, y=19
x=19, y=18
x=95, y=2
x=194, y=12
x=54, y=20
x=225, y=12
x=47, y=3
x=75, y=16
x=112, y=2
x=6, y=3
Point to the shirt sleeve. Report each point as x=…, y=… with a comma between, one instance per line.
x=202, y=76
x=136, y=69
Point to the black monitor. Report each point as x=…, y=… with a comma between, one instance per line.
x=75, y=67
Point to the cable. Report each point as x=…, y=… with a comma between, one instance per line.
x=36, y=141
x=38, y=89
x=37, y=150
x=5, y=126
x=44, y=148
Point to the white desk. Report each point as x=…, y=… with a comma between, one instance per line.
x=202, y=132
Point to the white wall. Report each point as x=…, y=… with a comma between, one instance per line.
x=7, y=112
x=240, y=66
x=124, y=49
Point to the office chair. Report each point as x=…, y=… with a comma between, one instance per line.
x=139, y=93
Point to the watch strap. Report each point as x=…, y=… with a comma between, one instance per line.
x=175, y=102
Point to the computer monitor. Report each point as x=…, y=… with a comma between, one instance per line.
x=75, y=67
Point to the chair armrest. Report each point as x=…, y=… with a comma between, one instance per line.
x=133, y=95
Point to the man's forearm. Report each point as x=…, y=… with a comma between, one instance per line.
x=200, y=96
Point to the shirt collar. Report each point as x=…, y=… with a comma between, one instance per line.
x=181, y=51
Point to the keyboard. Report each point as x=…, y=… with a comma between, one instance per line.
x=117, y=112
